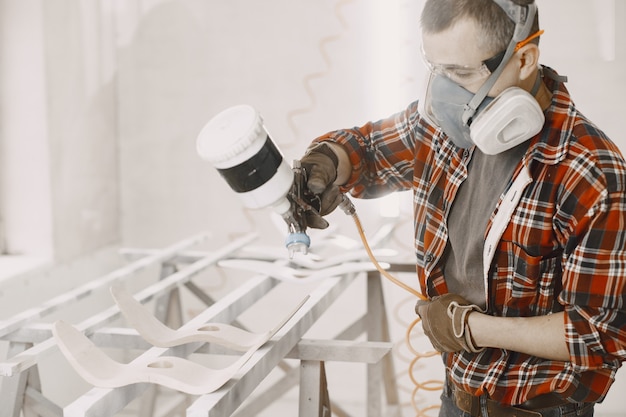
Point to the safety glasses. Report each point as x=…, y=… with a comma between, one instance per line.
x=465, y=74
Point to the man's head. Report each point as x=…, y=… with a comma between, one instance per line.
x=483, y=56
x=496, y=28
x=472, y=35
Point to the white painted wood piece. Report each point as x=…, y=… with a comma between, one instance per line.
x=316, y=350
x=313, y=390
x=104, y=402
x=101, y=402
x=158, y=334
x=15, y=322
x=340, y=351
x=180, y=374
x=347, y=256
x=224, y=401
x=30, y=357
x=275, y=253
x=290, y=274
x=311, y=260
x=351, y=249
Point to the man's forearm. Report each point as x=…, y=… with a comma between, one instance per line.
x=542, y=336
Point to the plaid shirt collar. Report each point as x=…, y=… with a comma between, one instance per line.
x=551, y=145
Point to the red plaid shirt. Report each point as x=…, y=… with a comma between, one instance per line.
x=562, y=249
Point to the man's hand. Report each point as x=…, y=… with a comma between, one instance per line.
x=444, y=320
x=320, y=164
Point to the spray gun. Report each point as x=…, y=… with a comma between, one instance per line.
x=237, y=144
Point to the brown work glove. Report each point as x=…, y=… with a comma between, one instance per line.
x=444, y=320
x=320, y=164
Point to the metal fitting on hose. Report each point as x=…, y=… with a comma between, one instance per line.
x=347, y=206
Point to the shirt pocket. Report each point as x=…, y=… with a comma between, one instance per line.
x=526, y=285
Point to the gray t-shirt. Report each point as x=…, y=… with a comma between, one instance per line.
x=477, y=197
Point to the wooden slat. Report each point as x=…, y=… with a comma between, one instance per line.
x=340, y=351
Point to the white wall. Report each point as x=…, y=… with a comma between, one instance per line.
x=25, y=216
x=186, y=61
x=126, y=85
x=59, y=171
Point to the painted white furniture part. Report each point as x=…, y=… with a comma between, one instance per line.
x=158, y=334
x=289, y=274
x=224, y=401
x=100, y=370
x=101, y=402
x=15, y=322
x=180, y=374
x=228, y=400
x=177, y=272
x=30, y=339
x=30, y=357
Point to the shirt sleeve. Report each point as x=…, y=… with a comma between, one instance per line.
x=382, y=153
x=593, y=208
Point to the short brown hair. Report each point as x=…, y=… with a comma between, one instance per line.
x=496, y=27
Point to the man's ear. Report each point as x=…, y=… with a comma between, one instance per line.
x=529, y=60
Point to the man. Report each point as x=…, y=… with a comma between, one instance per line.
x=520, y=215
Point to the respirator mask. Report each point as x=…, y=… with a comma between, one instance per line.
x=497, y=124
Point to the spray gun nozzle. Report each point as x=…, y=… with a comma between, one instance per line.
x=297, y=242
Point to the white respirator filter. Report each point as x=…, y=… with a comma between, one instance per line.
x=513, y=117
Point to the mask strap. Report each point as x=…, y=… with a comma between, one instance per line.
x=553, y=75
x=522, y=30
x=470, y=108
x=536, y=85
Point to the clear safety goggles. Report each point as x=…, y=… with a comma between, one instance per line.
x=466, y=74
